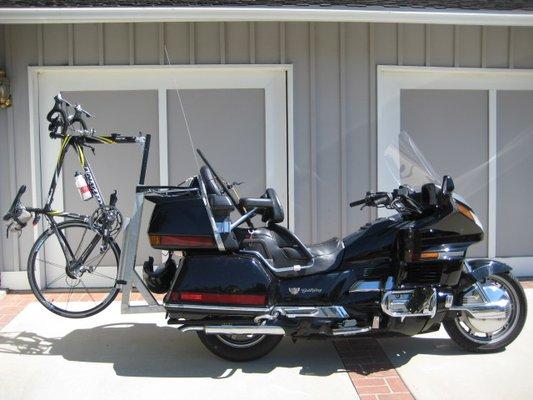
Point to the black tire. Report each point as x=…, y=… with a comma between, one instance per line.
x=215, y=344
x=31, y=271
x=459, y=336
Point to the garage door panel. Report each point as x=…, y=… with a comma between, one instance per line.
x=514, y=214
x=228, y=125
x=117, y=166
x=451, y=129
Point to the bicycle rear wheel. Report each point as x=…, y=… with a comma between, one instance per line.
x=88, y=271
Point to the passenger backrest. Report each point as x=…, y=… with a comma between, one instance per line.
x=211, y=185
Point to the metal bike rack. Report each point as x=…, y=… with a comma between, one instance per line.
x=127, y=275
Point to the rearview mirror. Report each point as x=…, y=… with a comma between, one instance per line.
x=447, y=185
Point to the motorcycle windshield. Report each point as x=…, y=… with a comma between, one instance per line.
x=409, y=167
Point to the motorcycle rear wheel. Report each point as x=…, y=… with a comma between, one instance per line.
x=473, y=341
x=240, y=347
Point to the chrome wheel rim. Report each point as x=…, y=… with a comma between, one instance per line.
x=479, y=331
x=241, y=341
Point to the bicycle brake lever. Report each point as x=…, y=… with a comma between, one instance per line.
x=113, y=198
x=82, y=111
x=90, y=147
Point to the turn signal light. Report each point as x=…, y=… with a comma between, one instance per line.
x=188, y=242
x=221, y=298
x=429, y=255
x=466, y=212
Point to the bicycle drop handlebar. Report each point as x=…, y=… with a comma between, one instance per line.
x=12, y=210
x=60, y=120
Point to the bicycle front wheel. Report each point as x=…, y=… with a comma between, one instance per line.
x=73, y=270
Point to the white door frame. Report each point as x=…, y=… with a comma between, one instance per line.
x=276, y=80
x=392, y=79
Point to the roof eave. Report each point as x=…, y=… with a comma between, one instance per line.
x=193, y=14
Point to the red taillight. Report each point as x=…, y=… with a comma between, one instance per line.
x=188, y=242
x=216, y=298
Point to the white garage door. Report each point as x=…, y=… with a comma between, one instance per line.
x=477, y=126
x=238, y=118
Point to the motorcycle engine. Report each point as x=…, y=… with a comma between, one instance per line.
x=416, y=302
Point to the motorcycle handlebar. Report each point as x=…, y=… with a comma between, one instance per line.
x=358, y=202
x=373, y=199
x=383, y=200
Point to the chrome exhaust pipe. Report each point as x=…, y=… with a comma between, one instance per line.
x=492, y=310
x=235, y=329
x=347, y=331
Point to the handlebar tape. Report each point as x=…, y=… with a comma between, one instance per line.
x=20, y=192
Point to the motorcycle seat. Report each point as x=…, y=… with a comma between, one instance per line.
x=331, y=246
x=290, y=257
x=326, y=256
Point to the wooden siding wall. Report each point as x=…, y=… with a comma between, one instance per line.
x=334, y=91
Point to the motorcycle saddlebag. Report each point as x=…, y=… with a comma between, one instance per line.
x=180, y=221
x=222, y=280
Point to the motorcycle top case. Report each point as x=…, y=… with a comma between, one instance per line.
x=180, y=221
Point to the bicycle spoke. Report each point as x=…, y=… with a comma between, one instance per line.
x=92, y=245
x=102, y=275
x=68, y=298
x=101, y=259
x=95, y=257
x=87, y=291
x=100, y=289
x=56, y=279
x=79, y=245
x=51, y=263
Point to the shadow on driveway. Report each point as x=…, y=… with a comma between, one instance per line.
x=149, y=350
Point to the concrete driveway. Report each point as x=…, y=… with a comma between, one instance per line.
x=113, y=356
x=43, y=356
x=433, y=367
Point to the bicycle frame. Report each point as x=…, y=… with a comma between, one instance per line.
x=78, y=143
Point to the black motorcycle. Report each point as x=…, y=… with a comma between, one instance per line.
x=242, y=287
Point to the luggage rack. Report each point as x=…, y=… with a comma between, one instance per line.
x=128, y=277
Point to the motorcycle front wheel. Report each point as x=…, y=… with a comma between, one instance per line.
x=240, y=347
x=486, y=335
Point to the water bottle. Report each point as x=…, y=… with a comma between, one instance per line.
x=83, y=188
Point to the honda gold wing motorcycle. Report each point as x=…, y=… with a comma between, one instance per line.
x=242, y=287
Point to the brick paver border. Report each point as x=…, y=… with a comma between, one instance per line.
x=371, y=372
x=11, y=305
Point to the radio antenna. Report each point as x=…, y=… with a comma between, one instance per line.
x=193, y=148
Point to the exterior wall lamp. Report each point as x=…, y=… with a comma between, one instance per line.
x=5, y=94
